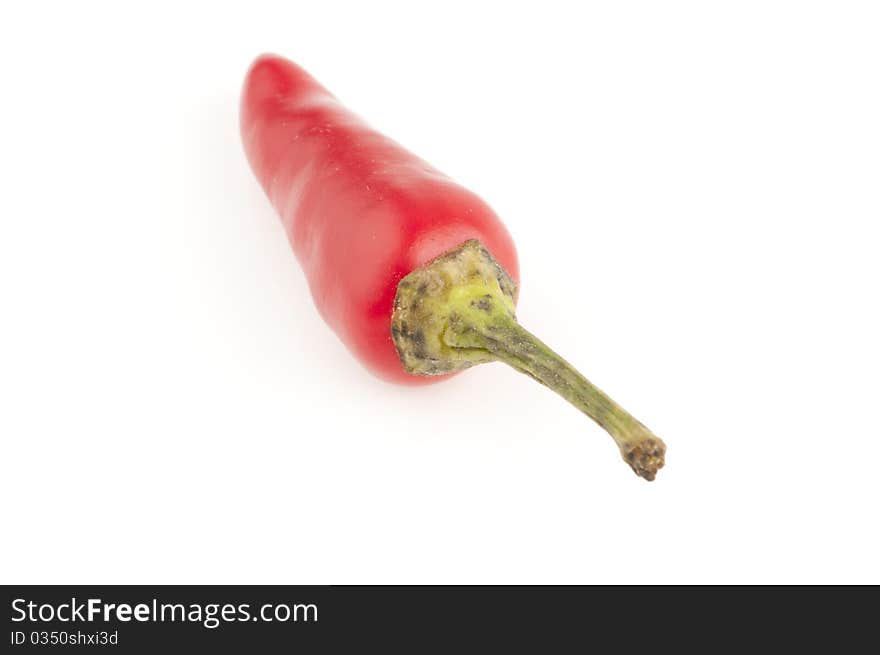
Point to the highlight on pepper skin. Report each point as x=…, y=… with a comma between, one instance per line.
x=373, y=226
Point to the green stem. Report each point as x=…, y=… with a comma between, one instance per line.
x=520, y=349
x=458, y=311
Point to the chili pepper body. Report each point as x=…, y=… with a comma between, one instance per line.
x=416, y=274
x=360, y=211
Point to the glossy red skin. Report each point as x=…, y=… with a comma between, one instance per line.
x=360, y=211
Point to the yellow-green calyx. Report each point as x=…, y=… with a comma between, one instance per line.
x=458, y=311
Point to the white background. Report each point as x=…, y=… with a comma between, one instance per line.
x=695, y=192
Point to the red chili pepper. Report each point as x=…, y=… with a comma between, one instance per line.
x=416, y=274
